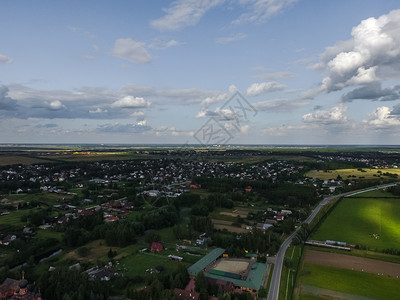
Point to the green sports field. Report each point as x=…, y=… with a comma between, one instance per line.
x=372, y=222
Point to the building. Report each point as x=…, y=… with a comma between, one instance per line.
x=156, y=247
x=186, y=295
x=252, y=281
x=17, y=289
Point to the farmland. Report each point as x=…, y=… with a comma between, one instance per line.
x=370, y=222
x=326, y=281
x=354, y=174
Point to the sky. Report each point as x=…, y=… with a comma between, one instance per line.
x=208, y=72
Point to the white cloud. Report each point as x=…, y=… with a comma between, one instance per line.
x=56, y=105
x=381, y=118
x=131, y=102
x=372, y=55
x=279, y=105
x=327, y=117
x=230, y=39
x=142, y=123
x=161, y=44
x=264, y=87
x=98, y=111
x=137, y=114
x=132, y=51
x=184, y=13
x=5, y=59
x=261, y=10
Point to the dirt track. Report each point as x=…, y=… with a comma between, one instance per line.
x=353, y=263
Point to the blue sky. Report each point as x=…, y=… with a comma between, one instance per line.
x=307, y=72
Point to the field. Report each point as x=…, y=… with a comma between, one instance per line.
x=352, y=173
x=371, y=222
x=343, y=261
x=6, y=160
x=322, y=282
x=231, y=266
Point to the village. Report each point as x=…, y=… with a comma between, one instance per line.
x=120, y=204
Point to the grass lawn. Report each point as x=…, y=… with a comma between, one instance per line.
x=350, y=282
x=357, y=220
x=137, y=264
x=14, y=218
x=47, y=234
x=348, y=173
x=374, y=194
x=310, y=297
x=45, y=198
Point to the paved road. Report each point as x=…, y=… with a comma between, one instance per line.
x=273, y=292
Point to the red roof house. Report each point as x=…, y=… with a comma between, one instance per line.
x=156, y=247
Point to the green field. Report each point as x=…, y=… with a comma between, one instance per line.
x=352, y=173
x=314, y=277
x=371, y=222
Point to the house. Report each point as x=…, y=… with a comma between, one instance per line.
x=17, y=289
x=248, y=189
x=111, y=219
x=279, y=217
x=186, y=295
x=8, y=239
x=156, y=247
x=176, y=258
x=63, y=220
x=194, y=186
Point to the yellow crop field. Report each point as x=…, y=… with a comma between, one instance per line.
x=353, y=174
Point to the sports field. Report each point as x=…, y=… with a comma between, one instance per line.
x=372, y=222
x=232, y=266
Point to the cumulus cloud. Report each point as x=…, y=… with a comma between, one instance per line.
x=183, y=13
x=6, y=103
x=132, y=51
x=230, y=39
x=5, y=59
x=373, y=92
x=261, y=10
x=98, y=110
x=131, y=102
x=371, y=56
x=55, y=105
x=382, y=118
x=327, y=117
x=264, y=87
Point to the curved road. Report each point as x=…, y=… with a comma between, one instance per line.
x=273, y=292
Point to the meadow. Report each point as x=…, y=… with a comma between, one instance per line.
x=318, y=279
x=371, y=222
